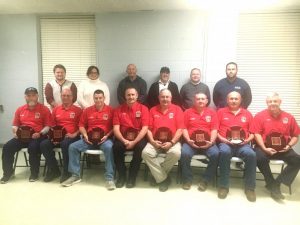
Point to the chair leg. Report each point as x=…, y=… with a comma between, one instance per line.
x=146, y=171
x=15, y=162
x=84, y=158
x=26, y=160
x=179, y=175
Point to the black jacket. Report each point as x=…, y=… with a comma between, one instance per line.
x=152, y=99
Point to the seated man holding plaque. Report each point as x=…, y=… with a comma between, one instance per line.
x=276, y=132
x=30, y=125
x=165, y=130
x=200, y=133
x=63, y=132
x=234, y=138
x=95, y=126
x=130, y=127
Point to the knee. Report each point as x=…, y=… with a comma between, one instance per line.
x=225, y=150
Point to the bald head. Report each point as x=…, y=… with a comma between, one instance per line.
x=67, y=97
x=131, y=71
x=234, y=100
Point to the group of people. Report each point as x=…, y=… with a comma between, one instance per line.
x=177, y=124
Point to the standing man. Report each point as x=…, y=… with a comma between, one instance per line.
x=163, y=83
x=96, y=116
x=231, y=83
x=166, y=124
x=234, y=140
x=38, y=118
x=132, y=80
x=67, y=116
x=276, y=132
x=130, y=125
x=194, y=86
x=204, y=119
x=54, y=88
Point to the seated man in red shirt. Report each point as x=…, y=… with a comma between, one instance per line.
x=67, y=116
x=165, y=130
x=200, y=133
x=38, y=118
x=234, y=137
x=95, y=126
x=130, y=125
x=276, y=132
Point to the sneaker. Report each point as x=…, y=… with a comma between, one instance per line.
x=70, y=181
x=51, y=175
x=202, y=186
x=65, y=176
x=33, y=177
x=250, y=194
x=5, y=179
x=110, y=185
x=222, y=193
x=186, y=186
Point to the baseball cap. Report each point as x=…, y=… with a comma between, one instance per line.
x=31, y=89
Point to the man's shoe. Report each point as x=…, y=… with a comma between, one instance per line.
x=276, y=193
x=222, y=193
x=5, y=179
x=72, y=180
x=202, y=186
x=33, y=177
x=186, y=186
x=65, y=176
x=164, y=186
x=120, y=182
x=130, y=183
x=51, y=175
x=250, y=194
x=110, y=185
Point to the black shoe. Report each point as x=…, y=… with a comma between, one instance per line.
x=51, y=175
x=276, y=193
x=164, y=186
x=130, y=183
x=120, y=182
x=65, y=176
x=5, y=179
x=33, y=177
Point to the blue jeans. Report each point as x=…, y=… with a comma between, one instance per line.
x=188, y=152
x=47, y=150
x=81, y=146
x=247, y=154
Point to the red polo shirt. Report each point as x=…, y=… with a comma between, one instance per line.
x=207, y=120
x=67, y=117
x=172, y=119
x=264, y=123
x=37, y=118
x=135, y=116
x=93, y=118
x=227, y=119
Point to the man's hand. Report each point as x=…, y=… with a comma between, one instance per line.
x=156, y=144
x=270, y=151
x=36, y=135
x=166, y=146
x=69, y=135
x=285, y=149
x=192, y=144
x=86, y=139
x=103, y=139
x=129, y=144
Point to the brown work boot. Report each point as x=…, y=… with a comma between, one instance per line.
x=186, y=186
x=250, y=194
x=222, y=193
x=202, y=186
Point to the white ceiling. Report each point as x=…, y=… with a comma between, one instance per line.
x=93, y=6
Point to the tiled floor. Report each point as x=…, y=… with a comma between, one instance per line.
x=89, y=203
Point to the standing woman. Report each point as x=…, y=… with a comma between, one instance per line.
x=87, y=87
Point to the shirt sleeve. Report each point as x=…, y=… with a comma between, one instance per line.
x=48, y=121
x=179, y=119
x=83, y=119
x=16, y=121
x=74, y=92
x=116, y=119
x=145, y=113
x=49, y=93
